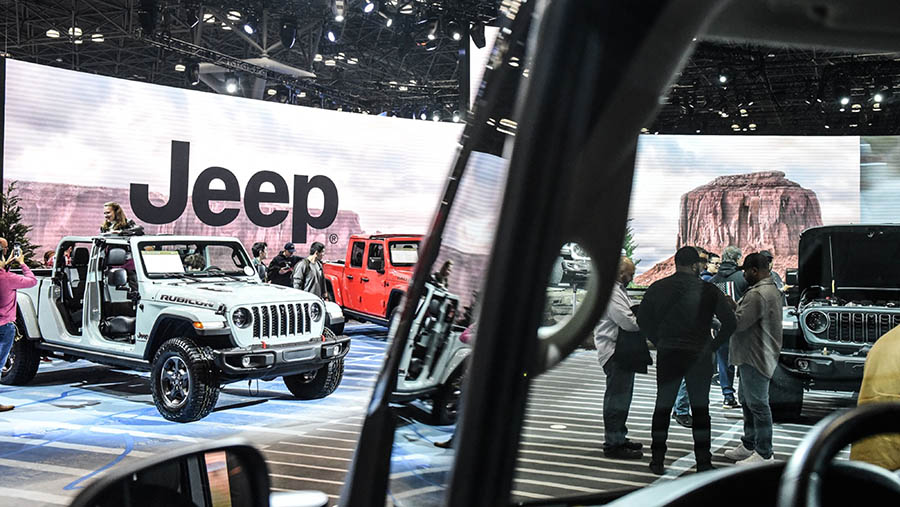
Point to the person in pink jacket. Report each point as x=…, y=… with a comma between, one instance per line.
x=9, y=282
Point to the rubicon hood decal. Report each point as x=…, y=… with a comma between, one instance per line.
x=186, y=301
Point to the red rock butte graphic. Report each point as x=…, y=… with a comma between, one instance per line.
x=755, y=211
x=57, y=210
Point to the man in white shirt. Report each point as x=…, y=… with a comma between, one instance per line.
x=619, y=378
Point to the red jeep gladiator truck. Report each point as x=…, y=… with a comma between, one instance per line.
x=372, y=279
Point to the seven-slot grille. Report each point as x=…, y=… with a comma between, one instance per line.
x=859, y=327
x=280, y=320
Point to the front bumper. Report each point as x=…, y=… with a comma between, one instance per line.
x=824, y=371
x=275, y=361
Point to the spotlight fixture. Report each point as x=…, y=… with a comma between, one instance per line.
x=75, y=31
x=878, y=97
x=331, y=36
x=226, y=26
x=339, y=18
x=436, y=116
x=209, y=18
x=845, y=100
x=338, y=9
x=248, y=29
x=288, y=34
x=231, y=85
x=423, y=116
x=453, y=30
x=193, y=74
x=432, y=33
x=368, y=7
x=476, y=30
x=97, y=37
x=389, y=22
x=234, y=15
x=455, y=116
x=53, y=34
x=180, y=67
x=723, y=78
x=271, y=91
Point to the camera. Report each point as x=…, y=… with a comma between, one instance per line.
x=17, y=250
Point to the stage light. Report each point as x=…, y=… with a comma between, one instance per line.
x=368, y=7
x=723, y=78
x=431, y=45
x=402, y=88
x=75, y=31
x=209, y=18
x=234, y=15
x=288, y=34
x=389, y=22
x=97, y=37
x=272, y=91
x=193, y=74
x=453, y=30
x=330, y=63
x=302, y=95
x=331, y=36
x=423, y=116
x=317, y=58
x=53, y=34
x=476, y=30
x=180, y=67
x=845, y=100
x=226, y=26
x=432, y=32
x=78, y=41
x=436, y=116
x=339, y=18
x=878, y=97
x=248, y=29
x=231, y=85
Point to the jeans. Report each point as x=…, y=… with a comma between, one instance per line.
x=726, y=371
x=7, y=337
x=682, y=402
x=695, y=367
x=616, y=403
x=754, y=398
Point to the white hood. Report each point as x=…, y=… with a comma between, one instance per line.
x=214, y=293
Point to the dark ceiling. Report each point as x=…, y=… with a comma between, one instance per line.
x=375, y=68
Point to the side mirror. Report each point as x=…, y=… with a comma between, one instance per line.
x=233, y=474
x=116, y=277
x=790, y=277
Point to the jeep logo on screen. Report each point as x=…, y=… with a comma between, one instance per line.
x=253, y=195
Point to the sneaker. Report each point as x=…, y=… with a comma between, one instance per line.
x=739, y=453
x=730, y=403
x=755, y=458
x=6, y=408
x=685, y=420
x=657, y=468
x=634, y=446
x=622, y=452
x=445, y=444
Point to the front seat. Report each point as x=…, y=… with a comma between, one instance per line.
x=116, y=325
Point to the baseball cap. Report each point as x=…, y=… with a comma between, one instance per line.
x=767, y=254
x=289, y=247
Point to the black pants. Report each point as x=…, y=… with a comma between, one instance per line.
x=616, y=403
x=696, y=368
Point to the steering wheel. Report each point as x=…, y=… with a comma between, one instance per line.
x=801, y=481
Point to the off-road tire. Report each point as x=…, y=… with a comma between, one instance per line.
x=320, y=383
x=202, y=390
x=785, y=396
x=446, y=401
x=23, y=361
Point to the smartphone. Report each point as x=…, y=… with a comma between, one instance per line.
x=17, y=250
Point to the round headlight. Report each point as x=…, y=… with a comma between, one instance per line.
x=315, y=312
x=816, y=321
x=241, y=317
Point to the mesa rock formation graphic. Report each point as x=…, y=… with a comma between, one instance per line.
x=755, y=211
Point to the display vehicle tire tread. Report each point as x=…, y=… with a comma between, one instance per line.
x=202, y=391
x=325, y=381
x=23, y=361
x=446, y=401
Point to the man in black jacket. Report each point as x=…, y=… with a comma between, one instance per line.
x=281, y=269
x=676, y=314
x=729, y=272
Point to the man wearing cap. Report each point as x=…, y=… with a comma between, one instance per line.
x=728, y=271
x=676, y=314
x=280, y=270
x=754, y=349
x=775, y=277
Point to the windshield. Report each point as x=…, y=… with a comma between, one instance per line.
x=404, y=253
x=162, y=259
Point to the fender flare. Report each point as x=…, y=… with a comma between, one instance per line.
x=173, y=318
x=28, y=315
x=393, y=301
x=456, y=362
x=332, y=281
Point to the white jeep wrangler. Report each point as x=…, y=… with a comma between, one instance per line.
x=189, y=309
